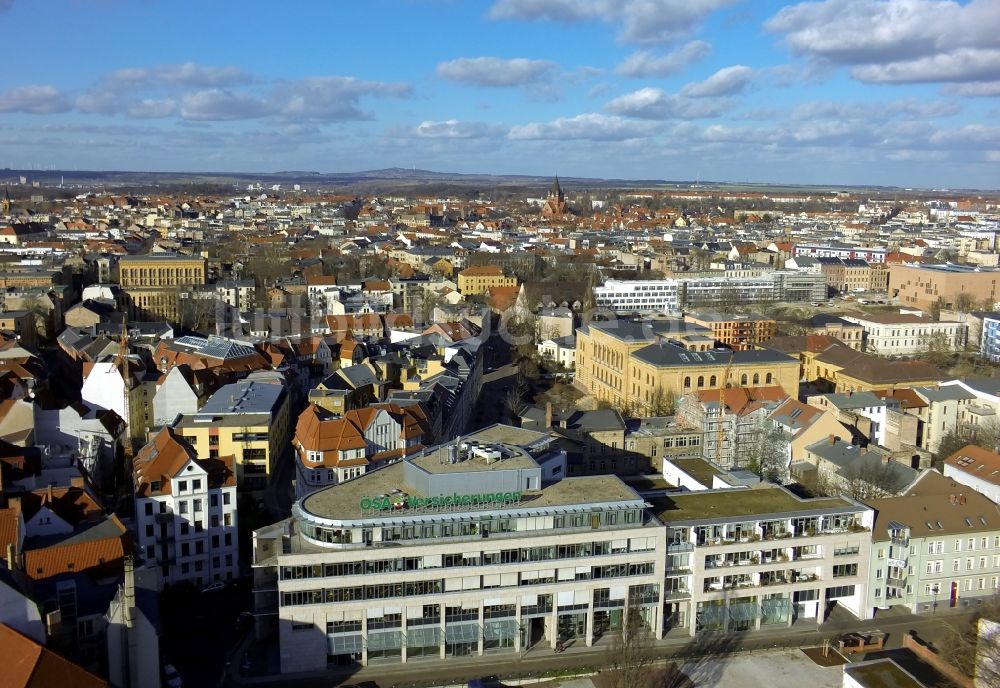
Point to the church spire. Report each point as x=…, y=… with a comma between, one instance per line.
x=5, y=205
x=556, y=190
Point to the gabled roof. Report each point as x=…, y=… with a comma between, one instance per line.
x=30, y=665
x=160, y=460
x=977, y=462
x=742, y=400
x=99, y=549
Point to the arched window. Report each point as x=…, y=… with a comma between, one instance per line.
x=743, y=380
x=769, y=379
x=756, y=378
x=712, y=382
x=687, y=383
x=701, y=381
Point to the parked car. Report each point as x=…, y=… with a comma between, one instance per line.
x=171, y=679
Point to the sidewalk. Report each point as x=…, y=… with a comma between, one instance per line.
x=540, y=660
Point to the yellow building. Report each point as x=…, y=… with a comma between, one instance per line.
x=248, y=420
x=634, y=364
x=843, y=369
x=480, y=278
x=151, y=283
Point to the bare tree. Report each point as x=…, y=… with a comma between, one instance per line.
x=766, y=454
x=974, y=647
x=965, y=302
x=937, y=350
x=631, y=657
x=870, y=480
x=663, y=402
x=984, y=435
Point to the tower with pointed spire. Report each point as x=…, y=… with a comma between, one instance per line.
x=555, y=205
x=5, y=205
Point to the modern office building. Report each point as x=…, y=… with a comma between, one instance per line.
x=185, y=512
x=468, y=548
x=921, y=286
x=704, y=290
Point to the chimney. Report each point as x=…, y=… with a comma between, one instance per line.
x=11, y=557
x=548, y=414
x=961, y=500
x=48, y=493
x=831, y=440
x=14, y=502
x=951, y=499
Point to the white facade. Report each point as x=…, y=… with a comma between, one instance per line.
x=190, y=531
x=907, y=338
x=560, y=353
x=638, y=295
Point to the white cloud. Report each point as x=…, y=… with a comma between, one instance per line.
x=495, y=71
x=646, y=63
x=454, y=129
x=986, y=89
x=587, y=126
x=327, y=98
x=150, y=108
x=36, y=100
x=639, y=21
x=219, y=105
x=725, y=82
x=963, y=64
x=653, y=103
x=186, y=74
x=897, y=41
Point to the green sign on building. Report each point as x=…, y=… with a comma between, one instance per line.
x=391, y=502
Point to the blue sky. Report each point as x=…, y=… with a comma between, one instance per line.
x=894, y=92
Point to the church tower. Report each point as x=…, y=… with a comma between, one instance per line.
x=555, y=204
x=5, y=205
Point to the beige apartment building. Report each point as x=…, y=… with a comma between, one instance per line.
x=481, y=278
x=921, y=286
x=151, y=283
x=629, y=363
x=737, y=331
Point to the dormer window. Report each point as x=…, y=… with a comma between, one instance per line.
x=155, y=486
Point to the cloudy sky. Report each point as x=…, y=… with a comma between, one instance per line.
x=895, y=92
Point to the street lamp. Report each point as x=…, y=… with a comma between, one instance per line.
x=935, y=589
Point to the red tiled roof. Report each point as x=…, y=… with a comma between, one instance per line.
x=30, y=665
x=108, y=552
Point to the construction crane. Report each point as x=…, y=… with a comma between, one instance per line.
x=719, y=432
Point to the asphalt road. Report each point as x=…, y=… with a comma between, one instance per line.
x=541, y=661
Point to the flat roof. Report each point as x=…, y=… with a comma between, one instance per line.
x=342, y=502
x=754, y=503
x=882, y=673
x=700, y=469
x=435, y=460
